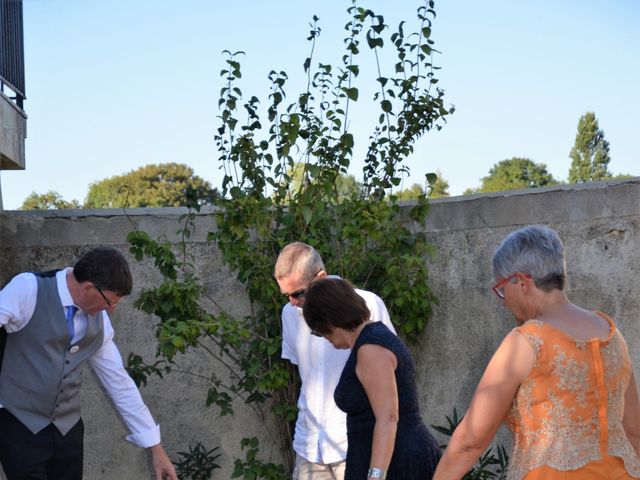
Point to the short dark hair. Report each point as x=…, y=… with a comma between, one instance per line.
x=106, y=268
x=333, y=303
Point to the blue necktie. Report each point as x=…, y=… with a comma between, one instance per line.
x=71, y=312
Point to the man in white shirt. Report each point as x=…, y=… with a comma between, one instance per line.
x=320, y=438
x=55, y=322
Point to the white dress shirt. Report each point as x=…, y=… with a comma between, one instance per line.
x=321, y=428
x=17, y=304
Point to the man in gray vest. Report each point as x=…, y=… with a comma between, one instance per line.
x=54, y=322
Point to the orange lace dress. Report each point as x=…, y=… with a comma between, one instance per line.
x=566, y=418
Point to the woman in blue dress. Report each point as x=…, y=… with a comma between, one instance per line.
x=377, y=389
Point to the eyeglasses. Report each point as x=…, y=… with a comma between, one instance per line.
x=109, y=304
x=298, y=294
x=498, y=288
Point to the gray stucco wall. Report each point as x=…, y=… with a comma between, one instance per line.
x=599, y=223
x=13, y=131
x=600, y=226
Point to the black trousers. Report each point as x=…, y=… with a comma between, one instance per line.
x=47, y=455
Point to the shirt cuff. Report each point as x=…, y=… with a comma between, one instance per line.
x=145, y=439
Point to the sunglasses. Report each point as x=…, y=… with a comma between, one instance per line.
x=298, y=294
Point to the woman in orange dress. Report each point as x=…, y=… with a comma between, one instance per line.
x=562, y=380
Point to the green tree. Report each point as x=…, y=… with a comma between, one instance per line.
x=439, y=188
x=516, y=173
x=590, y=153
x=414, y=192
x=346, y=185
x=51, y=200
x=156, y=185
x=373, y=243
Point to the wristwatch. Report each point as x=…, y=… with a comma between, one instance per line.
x=375, y=472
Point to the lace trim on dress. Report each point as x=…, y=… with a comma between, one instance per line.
x=615, y=353
x=554, y=416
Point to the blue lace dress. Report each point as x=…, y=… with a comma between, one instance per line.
x=416, y=451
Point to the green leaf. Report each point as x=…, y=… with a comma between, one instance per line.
x=374, y=42
x=307, y=213
x=352, y=93
x=347, y=140
x=386, y=106
x=354, y=69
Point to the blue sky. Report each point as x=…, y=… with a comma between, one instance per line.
x=114, y=85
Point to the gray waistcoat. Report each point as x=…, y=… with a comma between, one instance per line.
x=40, y=377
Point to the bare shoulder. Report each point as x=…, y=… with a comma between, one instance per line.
x=374, y=354
x=514, y=357
x=594, y=325
x=580, y=324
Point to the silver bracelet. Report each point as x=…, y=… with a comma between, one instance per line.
x=375, y=472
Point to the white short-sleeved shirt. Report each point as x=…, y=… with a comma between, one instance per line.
x=17, y=304
x=321, y=428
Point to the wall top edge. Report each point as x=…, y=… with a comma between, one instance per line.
x=597, y=199
x=588, y=186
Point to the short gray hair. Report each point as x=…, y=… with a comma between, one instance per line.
x=536, y=251
x=300, y=258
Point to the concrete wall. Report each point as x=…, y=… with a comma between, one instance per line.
x=43, y=240
x=600, y=226
x=599, y=223
x=13, y=131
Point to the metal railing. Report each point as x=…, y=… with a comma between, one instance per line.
x=12, y=49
